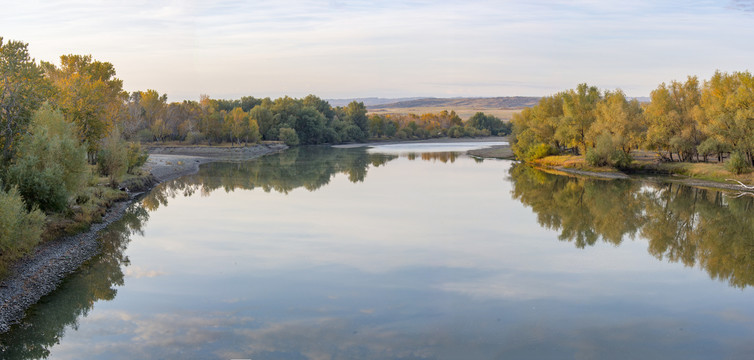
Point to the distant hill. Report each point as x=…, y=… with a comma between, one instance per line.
x=368, y=101
x=507, y=102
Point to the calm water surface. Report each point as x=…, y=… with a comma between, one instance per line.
x=404, y=252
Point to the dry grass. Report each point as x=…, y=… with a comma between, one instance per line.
x=572, y=162
x=706, y=171
x=464, y=113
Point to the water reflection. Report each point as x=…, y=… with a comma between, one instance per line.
x=682, y=224
x=428, y=259
x=46, y=322
x=303, y=167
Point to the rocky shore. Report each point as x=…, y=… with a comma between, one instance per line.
x=40, y=272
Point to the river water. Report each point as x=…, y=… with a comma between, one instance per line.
x=407, y=252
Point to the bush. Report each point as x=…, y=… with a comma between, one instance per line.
x=539, y=151
x=136, y=157
x=112, y=159
x=288, y=136
x=20, y=229
x=605, y=153
x=737, y=163
x=51, y=163
x=620, y=159
x=194, y=138
x=145, y=135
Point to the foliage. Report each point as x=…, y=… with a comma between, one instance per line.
x=51, y=166
x=112, y=159
x=22, y=90
x=605, y=153
x=89, y=95
x=539, y=151
x=20, y=229
x=490, y=123
x=737, y=163
x=289, y=136
x=713, y=146
x=135, y=156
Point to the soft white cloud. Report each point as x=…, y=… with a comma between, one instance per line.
x=389, y=48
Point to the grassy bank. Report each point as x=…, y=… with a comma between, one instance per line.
x=713, y=172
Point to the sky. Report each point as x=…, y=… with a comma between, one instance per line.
x=349, y=49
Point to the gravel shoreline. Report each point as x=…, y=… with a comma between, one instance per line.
x=40, y=272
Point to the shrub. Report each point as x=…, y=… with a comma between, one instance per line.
x=620, y=159
x=353, y=133
x=605, y=153
x=145, y=135
x=288, y=136
x=112, y=159
x=136, y=157
x=20, y=229
x=737, y=163
x=51, y=163
x=539, y=151
x=194, y=138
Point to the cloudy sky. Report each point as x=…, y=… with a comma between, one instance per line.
x=339, y=49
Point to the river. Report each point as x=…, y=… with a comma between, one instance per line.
x=407, y=252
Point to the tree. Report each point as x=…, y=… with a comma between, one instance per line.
x=578, y=108
x=89, y=95
x=264, y=118
x=728, y=103
x=356, y=114
x=480, y=121
x=620, y=118
x=23, y=88
x=51, y=166
x=238, y=122
x=673, y=118
x=289, y=136
x=376, y=125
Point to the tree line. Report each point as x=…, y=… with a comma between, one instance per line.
x=684, y=121
x=148, y=117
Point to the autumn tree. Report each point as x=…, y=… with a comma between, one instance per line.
x=89, y=95
x=728, y=104
x=673, y=118
x=623, y=120
x=578, y=109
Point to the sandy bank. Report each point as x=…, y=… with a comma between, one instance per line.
x=40, y=272
x=438, y=140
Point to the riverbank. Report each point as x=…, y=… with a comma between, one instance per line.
x=41, y=271
x=496, y=152
x=691, y=174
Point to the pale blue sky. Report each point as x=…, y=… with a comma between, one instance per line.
x=338, y=49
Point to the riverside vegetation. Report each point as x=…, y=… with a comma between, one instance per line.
x=69, y=134
x=703, y=129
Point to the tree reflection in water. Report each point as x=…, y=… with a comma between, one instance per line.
x=45, y=322
x=683, y=224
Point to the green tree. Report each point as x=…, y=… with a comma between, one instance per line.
x=289, y=136
x=51, y=164
x=23, y=88
x=376, y=125
x=20, y=228
x=356, y=114
x=578, y=108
